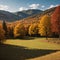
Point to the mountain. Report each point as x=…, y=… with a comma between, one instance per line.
x=49, y=11
x=35, y=18
x=27, y=13
x=8, y=16
x=11, y=17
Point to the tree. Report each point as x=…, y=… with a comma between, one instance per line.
x=10, y=32
x=27, y=29
x=44, y=26
x=19, y=31
x=5, y=28
x=33, y=29
x=2, y=34
x=55, y=21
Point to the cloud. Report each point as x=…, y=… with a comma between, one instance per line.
x=22, y=8
x=51, y=6
x=4, y=7
x=34, y=6
x=42, y=6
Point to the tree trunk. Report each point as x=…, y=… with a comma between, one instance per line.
x=59, y=36
x=46, y=34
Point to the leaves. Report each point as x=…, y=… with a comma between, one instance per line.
x=2, y=34
x=33, y=29
x=55, y=20
x=44, y=26
x=19, y=30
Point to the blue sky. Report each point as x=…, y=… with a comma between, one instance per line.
x=19, y=5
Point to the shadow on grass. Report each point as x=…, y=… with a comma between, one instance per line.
x=11, y=52
x=28, y=38
x=25, y=38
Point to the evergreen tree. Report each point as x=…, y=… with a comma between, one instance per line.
x=5, y=28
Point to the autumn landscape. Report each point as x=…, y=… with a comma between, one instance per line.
x=31, y=33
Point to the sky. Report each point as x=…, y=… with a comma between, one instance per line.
x=19, y=5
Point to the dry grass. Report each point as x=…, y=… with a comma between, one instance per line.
x=29, y=48
x=34, y=43
x=52, y=56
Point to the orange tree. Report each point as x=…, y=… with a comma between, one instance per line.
x=2, y=34
x=33, y=29
x=19, y=30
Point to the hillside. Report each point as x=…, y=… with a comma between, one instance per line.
x=24, y=15
x=34, y=18
x=8, y=16
x=27, y=13
x=11, y=17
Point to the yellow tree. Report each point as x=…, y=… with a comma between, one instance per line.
x=33, y=29
x=19, y=30
x=44, y=26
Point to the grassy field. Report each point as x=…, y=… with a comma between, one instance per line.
x=29, y=48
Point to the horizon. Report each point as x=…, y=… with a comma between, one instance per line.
x=20, y=5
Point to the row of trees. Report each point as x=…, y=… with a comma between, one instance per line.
x=47, y=26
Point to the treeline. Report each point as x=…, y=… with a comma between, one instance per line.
x=48, y=26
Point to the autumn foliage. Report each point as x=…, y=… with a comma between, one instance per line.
x=44, y=25
x=55, y=21
x=2, y=33
x=33, y=29
x=19, y=30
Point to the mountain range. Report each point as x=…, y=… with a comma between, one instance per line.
x=16, y=16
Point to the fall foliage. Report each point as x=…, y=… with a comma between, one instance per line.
x=2, y=33
x=38, y=25
x=44, y=25
x=55, y=21
x=10, y=32
x=33, y=29
x=19, y=30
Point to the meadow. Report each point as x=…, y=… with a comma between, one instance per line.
x=31, y=48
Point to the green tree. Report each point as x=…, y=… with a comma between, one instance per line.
x=5, y=28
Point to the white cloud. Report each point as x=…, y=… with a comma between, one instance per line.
x=4, y=7
x=42, y=6
x=51, y=6
x=22, y=8
x=34, y=6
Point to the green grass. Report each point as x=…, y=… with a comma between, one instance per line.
x=36, y=43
